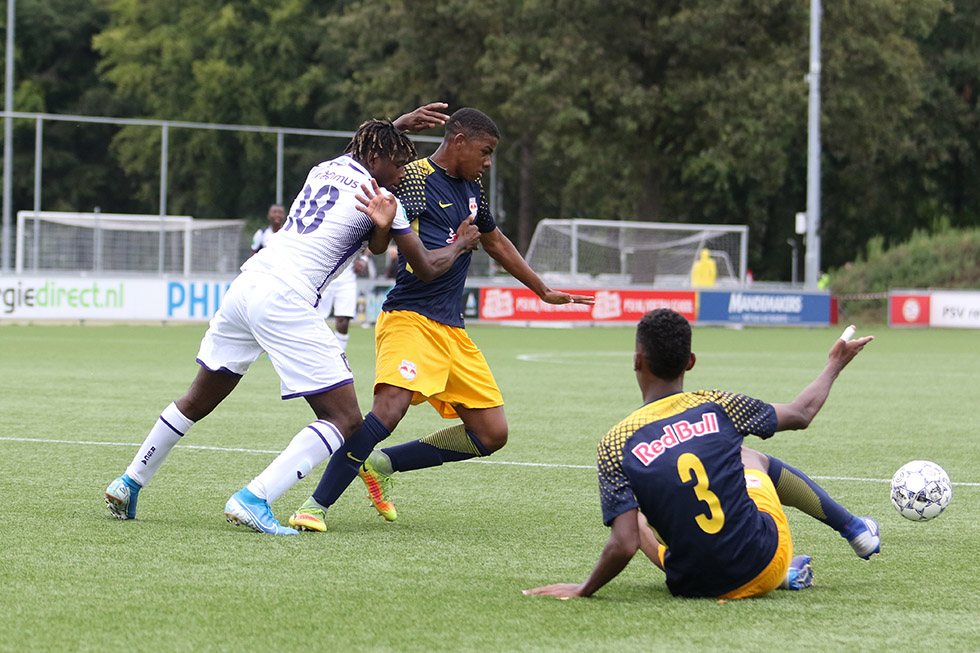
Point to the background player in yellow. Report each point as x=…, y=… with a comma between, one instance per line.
x=423, y=350
x=676, y=482
x=704, y=272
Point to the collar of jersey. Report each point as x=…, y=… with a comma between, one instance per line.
x=354, y=164
x=439, y=167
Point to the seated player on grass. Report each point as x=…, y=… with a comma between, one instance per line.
x=676, y=482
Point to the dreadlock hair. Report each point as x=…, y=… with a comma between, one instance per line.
x=664, y=337
x=381, y=138
x=471, y=122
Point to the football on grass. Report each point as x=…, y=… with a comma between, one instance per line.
x=921, y=490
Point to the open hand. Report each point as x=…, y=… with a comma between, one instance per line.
x=380, y=207
x=556, y=297
x=558, y=590
x=844, y=351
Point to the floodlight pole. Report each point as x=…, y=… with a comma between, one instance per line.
x=8, y=140
x=812, y=257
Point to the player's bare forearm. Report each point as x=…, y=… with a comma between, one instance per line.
x=502, y=250
x=800, y=412
x=378, y=242
x=425, y=117
x=622, y=545
x=428, y=264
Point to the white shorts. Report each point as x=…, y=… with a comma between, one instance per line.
x=340, y=295
x=261, y=313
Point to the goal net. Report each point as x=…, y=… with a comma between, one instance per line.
x=612, y=252
x=111, y=242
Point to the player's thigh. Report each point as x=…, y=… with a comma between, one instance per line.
x=470, y=383
x=411, y=352
x=339, y=407
x=303, y=350
x=229, y=345
x=763, y=494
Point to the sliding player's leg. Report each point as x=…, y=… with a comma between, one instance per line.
x=783, y=571
x=205, y=393
x=798, y=490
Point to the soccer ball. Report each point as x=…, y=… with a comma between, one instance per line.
x=921, y=490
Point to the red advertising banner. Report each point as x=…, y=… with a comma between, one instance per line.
x=520, y=304
x=908, y=309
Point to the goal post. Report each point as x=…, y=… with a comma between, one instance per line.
x=609, y=252
x=63, y=241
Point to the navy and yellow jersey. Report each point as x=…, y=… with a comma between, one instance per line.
x=436, y=204
x=678, y=460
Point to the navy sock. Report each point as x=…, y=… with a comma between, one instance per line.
x=447, y=445
x=798, y=490
x=343, y=465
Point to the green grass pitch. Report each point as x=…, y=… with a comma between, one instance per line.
x=447, y=576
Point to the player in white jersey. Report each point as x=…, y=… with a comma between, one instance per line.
x=339, y=299
x=271, y=307
x=276, y=216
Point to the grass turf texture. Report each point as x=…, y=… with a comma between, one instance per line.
x=448, y=575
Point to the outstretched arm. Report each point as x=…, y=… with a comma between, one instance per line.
x=802, y=410
x=430, y=264
x=425, y=117
x=498, y=246
x=622, y=545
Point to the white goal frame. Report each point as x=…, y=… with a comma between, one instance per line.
x=678, y=236
x=99, y=223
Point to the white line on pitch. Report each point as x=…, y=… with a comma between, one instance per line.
x=472, y=460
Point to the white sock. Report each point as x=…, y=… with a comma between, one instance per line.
x=308, y=448
x=342, y=338
x=170, y=427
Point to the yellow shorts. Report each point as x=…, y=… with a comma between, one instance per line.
x=439, y=363
x=763, y=493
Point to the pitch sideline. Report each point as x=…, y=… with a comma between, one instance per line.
x=472, y=460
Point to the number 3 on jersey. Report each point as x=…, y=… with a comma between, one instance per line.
x=325, y=198
x=712, y=521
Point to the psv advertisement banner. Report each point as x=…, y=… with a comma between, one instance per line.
x=957, y=309
x=908, y=309
x=520, y=304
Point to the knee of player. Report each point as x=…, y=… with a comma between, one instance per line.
x=346, y=420
x=391, y=404
x=493, y=440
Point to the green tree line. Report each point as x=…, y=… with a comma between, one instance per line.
x=678, y=110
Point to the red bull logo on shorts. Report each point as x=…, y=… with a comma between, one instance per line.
x=675, y=434
x=407, y=370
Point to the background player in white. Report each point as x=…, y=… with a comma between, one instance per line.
x=276, y=216
x=339, y=300
x=271, y=307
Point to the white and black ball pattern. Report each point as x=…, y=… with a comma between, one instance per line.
x=921, y=490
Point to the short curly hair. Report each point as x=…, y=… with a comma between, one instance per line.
x=664, y=339
x=471, y=122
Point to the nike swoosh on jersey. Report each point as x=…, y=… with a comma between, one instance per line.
x=445, y=206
